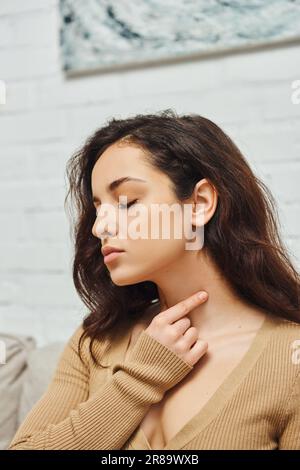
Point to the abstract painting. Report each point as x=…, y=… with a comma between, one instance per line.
x=97, y=35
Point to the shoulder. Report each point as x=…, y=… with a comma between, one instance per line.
x=74, y=343
x=287, y=331
x=75, y=336
x=283, y=351
x=79, y=344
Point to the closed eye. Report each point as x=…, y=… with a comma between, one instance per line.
x=129, y=204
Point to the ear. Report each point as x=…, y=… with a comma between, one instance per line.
x=204, y=202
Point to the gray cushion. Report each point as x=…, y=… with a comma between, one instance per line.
x=12, y=370
x=41, y=365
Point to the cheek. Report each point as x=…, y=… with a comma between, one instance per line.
x=156, y=239
x=154, y=252
x=144, y=258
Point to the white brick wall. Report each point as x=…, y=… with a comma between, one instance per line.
x=47, y=116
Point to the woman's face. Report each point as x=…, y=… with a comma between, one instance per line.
x=144, y=255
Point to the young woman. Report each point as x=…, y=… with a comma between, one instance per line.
x=152, y=366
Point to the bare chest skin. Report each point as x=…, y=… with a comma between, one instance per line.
x=182, y=402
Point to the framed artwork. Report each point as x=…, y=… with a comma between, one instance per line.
x=99, y=35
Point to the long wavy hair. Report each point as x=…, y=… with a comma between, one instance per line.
x=241, y=237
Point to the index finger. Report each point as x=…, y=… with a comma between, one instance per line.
x=183, y=307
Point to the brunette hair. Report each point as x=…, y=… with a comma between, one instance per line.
x=242, y=237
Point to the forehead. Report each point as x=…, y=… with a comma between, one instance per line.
x=121, y=160
x=117, y=159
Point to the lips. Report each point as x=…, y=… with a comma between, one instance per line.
x=110, y=249
x=112, y=255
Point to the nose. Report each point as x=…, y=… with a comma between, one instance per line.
x=103, y=227
x=99, y=230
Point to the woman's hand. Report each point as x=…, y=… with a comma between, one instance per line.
x=172, y=328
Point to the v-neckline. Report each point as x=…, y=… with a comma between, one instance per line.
x=222, y=394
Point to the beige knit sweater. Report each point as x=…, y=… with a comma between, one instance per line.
x=89, y=407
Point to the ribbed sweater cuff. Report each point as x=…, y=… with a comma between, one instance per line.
x=154, y=363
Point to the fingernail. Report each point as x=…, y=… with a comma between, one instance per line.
x=202, y=295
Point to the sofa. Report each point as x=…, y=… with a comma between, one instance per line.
x=25, y=372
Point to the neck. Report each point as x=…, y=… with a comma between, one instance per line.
x=224, y=310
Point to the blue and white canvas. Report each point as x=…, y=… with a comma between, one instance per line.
x=101, y=34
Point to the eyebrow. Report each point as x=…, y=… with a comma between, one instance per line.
x=116, y=183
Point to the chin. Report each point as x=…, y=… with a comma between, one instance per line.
x=123, y=279
x=120, y=282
